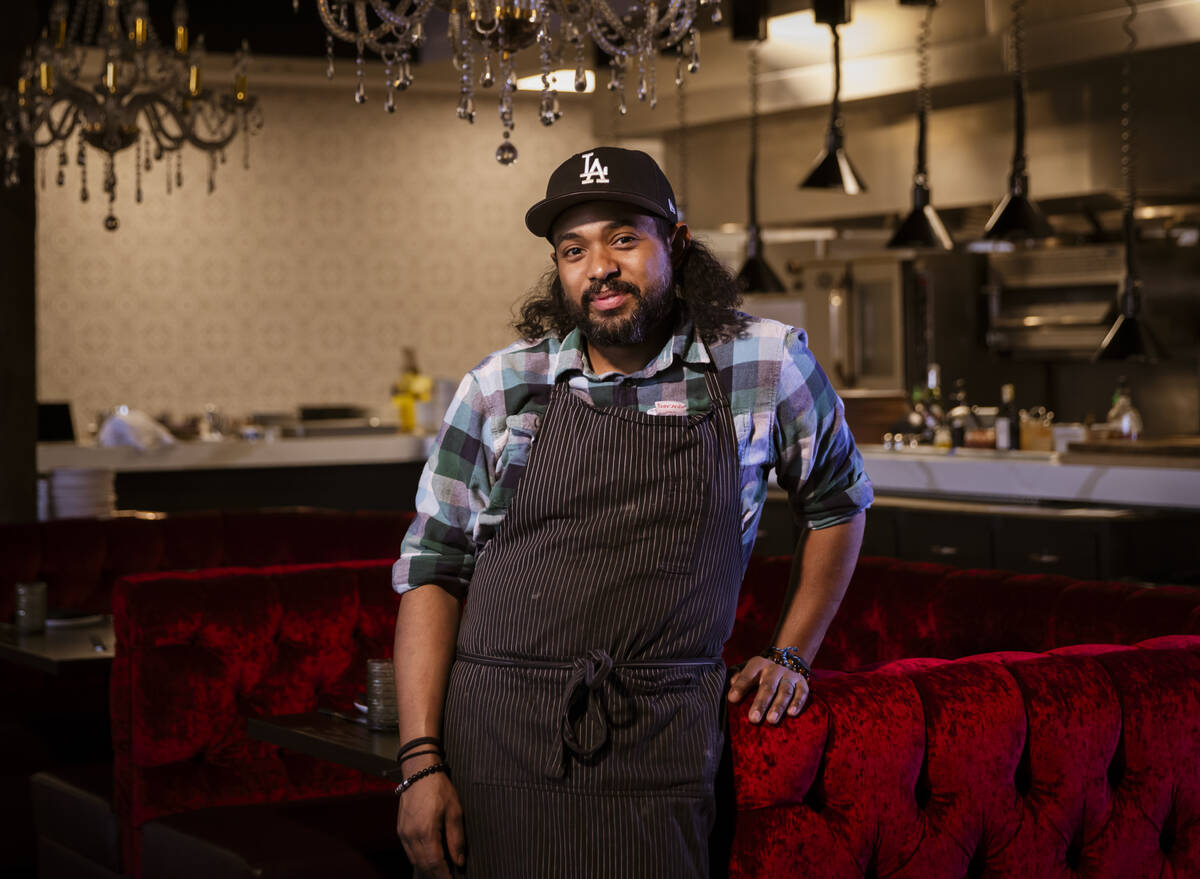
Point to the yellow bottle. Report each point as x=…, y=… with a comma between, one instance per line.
x=411, y=388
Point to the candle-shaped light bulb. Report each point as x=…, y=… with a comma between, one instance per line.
x=110, y=75
x=180, y=19
x=139, y=32
x=194, y=80
x=240, y=79
x=46, y=77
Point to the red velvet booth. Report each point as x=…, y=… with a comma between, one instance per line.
x=1068, y=754
x=56, y=721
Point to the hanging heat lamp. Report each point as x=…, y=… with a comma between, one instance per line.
x=922, y=227
x=1129, y=338
x=833, y=169
x=1016, y=217
x=756, y=276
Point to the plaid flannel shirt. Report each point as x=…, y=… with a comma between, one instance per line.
x=786, y=414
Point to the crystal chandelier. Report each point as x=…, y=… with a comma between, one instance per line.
x=486, y=36
x=100, y=75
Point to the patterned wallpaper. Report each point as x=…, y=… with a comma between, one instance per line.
x=354, y=233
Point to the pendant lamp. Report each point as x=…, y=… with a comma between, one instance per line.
x=922, y=227
x=755, y=276
x=1016, y=217
x=1129, y=338
x=833, y=169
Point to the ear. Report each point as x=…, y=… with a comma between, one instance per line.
x=680, y=239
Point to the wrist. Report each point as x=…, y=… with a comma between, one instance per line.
x=790, y=658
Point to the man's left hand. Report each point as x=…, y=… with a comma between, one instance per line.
x=780, y=690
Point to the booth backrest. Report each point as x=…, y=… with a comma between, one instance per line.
x=896, y=609
x=1083, y=761
x=199, y=652
x=80, y=559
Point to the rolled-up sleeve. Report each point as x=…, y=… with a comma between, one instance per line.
x=818, y=464
x=439, y=547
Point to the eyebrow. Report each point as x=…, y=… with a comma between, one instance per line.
x=619, y=223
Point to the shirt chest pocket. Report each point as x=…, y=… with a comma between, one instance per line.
x=514, y=447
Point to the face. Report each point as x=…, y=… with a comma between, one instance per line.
x=616, y=272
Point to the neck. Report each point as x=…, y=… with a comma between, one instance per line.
x=627, y=358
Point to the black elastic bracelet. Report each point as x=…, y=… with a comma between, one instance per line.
x=417, y=776
x=435, y=751
x=789, y=658
x=416, y=743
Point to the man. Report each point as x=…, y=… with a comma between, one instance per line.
x=594, y=495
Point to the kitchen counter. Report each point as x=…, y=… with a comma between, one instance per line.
x=384, y=448
x=1146, y=480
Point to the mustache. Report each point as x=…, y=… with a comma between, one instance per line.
x=616, y=286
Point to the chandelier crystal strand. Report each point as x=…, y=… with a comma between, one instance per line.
x=464, y=62
x=392, y=28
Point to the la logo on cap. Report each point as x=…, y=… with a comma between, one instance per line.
x=593, y=171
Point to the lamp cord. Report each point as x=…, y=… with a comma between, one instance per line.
x=1018, y=59
x=924, y=102
x=752, y=165
x=835, y=106
x=1129, y=298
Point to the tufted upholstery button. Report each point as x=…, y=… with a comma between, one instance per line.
x=1166, y=836
x=1116, y=766
x=1023, y=776
x=923, y=791
x=977, y=865
x=1074, y=853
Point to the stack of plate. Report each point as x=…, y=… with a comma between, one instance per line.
x=82, y=493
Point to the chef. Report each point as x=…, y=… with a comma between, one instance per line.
x=593, y=496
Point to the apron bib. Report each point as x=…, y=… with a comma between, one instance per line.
x=583, y=715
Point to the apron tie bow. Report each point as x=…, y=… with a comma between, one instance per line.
x=588, y=674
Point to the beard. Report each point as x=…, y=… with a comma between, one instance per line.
x=651, y=309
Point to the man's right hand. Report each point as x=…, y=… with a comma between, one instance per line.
x=430, y=824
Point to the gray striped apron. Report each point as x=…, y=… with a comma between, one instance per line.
x=583, y=717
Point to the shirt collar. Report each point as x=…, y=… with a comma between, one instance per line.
x=683, y=345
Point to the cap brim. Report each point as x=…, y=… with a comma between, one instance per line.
x=540, y=218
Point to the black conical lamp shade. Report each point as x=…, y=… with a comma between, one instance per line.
x=833, y=169
x=756, y=275
x=1016, y=217
x=1129, y=338
x=922, y=227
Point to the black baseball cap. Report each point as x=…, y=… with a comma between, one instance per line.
x=604, y=174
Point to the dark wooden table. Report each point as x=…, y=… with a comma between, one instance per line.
x=59, y=649
x=329, y=737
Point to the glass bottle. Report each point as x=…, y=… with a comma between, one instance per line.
x=1124, y=420
x=1008, y=422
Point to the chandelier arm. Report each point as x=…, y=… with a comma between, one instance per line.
x=343, y=34
x=395, y=19
x=374, y=37
x=163, y=138
x=55, y=134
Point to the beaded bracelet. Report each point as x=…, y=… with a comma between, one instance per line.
x=417, y=776
x=789, y=658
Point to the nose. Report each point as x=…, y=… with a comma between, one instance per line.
x=601, y=265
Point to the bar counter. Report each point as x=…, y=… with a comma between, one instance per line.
x=1139, y=480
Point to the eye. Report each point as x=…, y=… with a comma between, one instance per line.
x=625, y=239
x=571, y=252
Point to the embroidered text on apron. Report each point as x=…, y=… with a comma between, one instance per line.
x=582, y=717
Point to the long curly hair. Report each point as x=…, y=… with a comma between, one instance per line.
x=710, y=293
